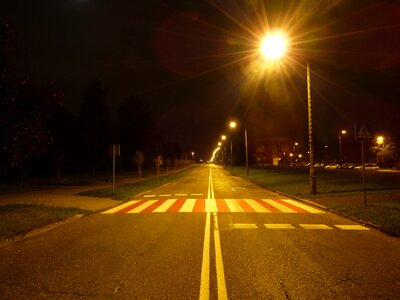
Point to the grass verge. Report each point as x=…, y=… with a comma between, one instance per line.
x=127, y=191
x=295, y=181
x=18, y=219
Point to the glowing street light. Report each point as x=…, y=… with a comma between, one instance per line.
x=273, y=46
x=379, y=140
x=232, y=124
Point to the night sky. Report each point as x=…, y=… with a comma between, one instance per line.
x=196, y=62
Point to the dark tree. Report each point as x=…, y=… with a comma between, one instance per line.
x=94, y=128
x=24, y=110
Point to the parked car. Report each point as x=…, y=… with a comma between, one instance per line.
x=332, y=166
x=348, y=165
x=368, y=167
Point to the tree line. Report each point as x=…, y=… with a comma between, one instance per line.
x=38, y=135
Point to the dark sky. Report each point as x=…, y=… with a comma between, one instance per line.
x=194, y=62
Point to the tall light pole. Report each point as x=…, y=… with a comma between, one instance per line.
x=247, y=153
x=313, y=187
x=223, y=138
x=340, y=145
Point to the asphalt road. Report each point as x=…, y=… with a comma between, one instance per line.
x=208, y=236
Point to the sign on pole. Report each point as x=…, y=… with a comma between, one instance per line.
x=362, y=133
x=114, y=150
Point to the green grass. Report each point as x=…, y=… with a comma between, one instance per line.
x=127, y=191
x=385, y=215
x=18, y=219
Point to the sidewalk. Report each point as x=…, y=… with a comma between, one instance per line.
x=66, y=196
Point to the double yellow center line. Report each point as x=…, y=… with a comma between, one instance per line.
x=205, y=268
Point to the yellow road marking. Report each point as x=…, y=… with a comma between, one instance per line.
x=205, y=266
x=244, y=226
x=315, y=226
x=221, y=286
x=211, y=205
x=279, y=226
x=352, y=227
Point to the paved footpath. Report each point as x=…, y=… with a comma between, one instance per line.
x=66, y=196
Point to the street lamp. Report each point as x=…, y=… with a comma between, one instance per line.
x=193, y=156
x=273, y=47
x=223, y=138
x=232, y=125
x=294, y=147
x=379, y=140
x=340, y=145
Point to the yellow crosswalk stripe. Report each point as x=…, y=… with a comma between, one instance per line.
x=142, y=207
x=233, y=205
x=257, y=206
x=163, y=207
x=279, y=206
x=303, y=206
x=119, y=207
x=188, y=205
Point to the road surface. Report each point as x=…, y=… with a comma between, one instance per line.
x=209, y=235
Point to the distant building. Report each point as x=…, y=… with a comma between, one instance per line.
x=274, y=151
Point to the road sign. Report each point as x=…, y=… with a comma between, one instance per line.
x=362, y=131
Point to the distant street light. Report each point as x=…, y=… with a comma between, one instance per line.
x=232, y=125
x=274, y=47
x=379, y=140
x=294, y=147
x=193, y=156
x=340, y=145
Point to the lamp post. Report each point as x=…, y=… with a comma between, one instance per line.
x=273, y=47
x=313, y=188
x=223, y=138
x=247, y=153
x=340, y=145
x=232, y=125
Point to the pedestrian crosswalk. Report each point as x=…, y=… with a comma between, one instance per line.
x=190, y=205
